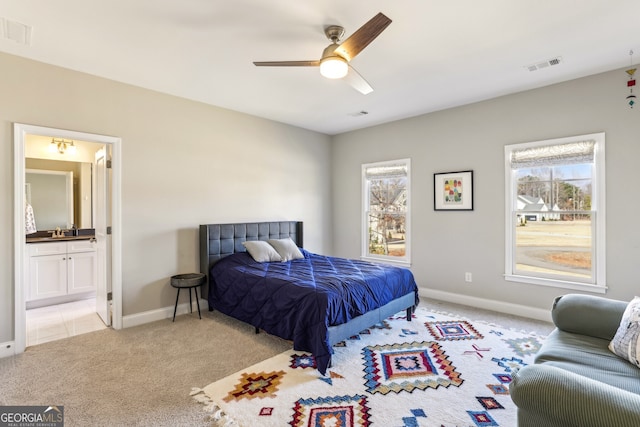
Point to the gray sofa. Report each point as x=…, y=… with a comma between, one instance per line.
x=576, y=380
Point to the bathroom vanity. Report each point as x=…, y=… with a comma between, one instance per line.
x=60, y=269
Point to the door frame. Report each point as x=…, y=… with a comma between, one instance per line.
x=20, y=131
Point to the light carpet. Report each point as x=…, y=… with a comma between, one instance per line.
x=437, y=370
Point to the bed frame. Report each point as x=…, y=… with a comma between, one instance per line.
x=220, y=240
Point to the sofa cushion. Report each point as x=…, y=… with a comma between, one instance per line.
x=547, y=396
x=588, y=315
x=590, y=357
x=626, y=342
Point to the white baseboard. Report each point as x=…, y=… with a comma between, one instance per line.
x=7, y=349
x=161, y=314
x=499, y=306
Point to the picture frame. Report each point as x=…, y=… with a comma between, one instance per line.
x=453, y=191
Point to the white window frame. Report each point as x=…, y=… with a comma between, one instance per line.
x=404, y=261
x=598, y=204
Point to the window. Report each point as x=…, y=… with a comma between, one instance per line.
x=555, y=212
x=385, y=188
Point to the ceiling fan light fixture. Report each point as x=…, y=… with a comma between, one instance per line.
x=334, y=67
x=335, y=59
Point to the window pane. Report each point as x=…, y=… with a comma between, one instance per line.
x=559, y=247
x=558, y=188
x=553, y=222
x=386, y=218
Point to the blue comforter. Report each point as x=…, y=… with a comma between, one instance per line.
x=298, y=300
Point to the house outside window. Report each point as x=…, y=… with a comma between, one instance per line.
x=555, y=212
x=386, y=219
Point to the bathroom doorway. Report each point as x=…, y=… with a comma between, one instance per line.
x=100, y=217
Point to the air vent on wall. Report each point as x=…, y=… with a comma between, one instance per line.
x=545, y=64
x=12, y=30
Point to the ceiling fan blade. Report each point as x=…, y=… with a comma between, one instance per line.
x=356, y=81
x=288, y=64
x=354, y=44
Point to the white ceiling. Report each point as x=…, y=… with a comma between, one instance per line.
x=434, y=55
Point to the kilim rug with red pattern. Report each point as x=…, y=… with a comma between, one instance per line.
x=437, y=370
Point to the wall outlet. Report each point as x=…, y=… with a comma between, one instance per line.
x=467, y=277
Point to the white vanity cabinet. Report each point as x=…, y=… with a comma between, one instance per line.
x=58, y=269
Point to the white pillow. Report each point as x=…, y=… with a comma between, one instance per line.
x=626, y=342
x=286, y=248
x=261, y=251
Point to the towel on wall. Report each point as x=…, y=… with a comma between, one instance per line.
x=29, y=219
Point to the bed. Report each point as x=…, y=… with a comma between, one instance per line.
x=315, y=301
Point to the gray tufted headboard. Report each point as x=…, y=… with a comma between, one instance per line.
x=220, y=240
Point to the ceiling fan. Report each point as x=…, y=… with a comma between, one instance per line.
x=334, y=62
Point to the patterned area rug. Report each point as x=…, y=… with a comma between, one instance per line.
x=436, y=370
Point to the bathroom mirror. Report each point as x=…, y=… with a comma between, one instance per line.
x=59, y=193
x=50, y=194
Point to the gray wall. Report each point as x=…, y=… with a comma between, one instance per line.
x=184, y=163
x=182, y=167
x=448, y=244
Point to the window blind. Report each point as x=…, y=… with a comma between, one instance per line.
x=386, y=171
x=553, y=155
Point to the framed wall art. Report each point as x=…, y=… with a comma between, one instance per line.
x=453, y=191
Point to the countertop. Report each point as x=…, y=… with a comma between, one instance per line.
x=57, y=239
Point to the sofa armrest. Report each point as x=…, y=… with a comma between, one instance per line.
x=588, y=315
x=557, y=397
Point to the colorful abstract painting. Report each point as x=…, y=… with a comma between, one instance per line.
x=453, y=190
x=452, y=194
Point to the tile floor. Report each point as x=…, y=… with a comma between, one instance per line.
x=55, y=322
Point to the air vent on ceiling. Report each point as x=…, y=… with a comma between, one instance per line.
x=12, y=30
x=544, y=64
x=359, y=113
